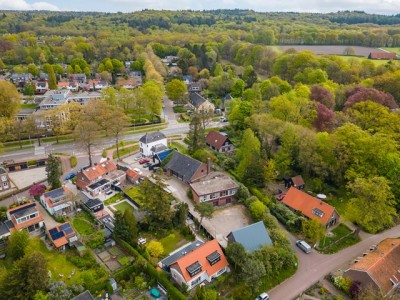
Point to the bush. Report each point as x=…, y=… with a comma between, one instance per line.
x=32, y=163
x=286, y=216
x=73, y=161
x=104, y=153
x=342, y=283
x=189, y=194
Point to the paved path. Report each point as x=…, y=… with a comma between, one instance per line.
x=315, y=266
x=169, y=112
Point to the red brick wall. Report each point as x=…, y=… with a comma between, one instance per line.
x=201, y=172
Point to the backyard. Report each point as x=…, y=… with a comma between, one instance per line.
x=134, y=193
x=329, y=243
x=83, y=224
x=123, y=206
x=173, y=241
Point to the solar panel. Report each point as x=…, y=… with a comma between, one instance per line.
x=53, y=231
x=65, y=226
x=318, y=212
x=57, y=235
x=68, y=230
x=55, y=193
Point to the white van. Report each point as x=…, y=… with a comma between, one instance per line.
x=303, y=246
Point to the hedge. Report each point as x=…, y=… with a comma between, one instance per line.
x=73, y=161
x=256, y=192
x=160, y=276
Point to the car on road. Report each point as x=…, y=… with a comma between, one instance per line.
x=263, y=296
x=137, y=170
x=146, y=165
x=143, y=161
x=306, y=248
x=70, y=176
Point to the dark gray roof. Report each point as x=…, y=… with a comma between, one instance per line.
x=181, y=252
x=152, y=137
x=93, y=202
x=252, y=237
x=196, y=99
x=158, y=148
x=184, y=166
x=2, y=170
x=86, y=295
x=55, y=193
x=5, y=227
x=24, y=211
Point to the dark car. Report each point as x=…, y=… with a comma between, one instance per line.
x=70, y=176
x=146, y=165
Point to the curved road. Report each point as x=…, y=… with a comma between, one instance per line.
x=314, y=266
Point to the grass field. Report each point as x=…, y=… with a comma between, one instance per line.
x=339, y=232
x=123, y=206
x=125, y=151
x=377, y=62
x=173, y=241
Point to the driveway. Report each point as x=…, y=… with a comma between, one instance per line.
x=315, y=266
x=224, y=219
x=169, y=112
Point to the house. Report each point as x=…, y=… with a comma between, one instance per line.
x=216, y=188
x=129, y=83
x=95, y=85
x=311, y=207
x=84, y=97
x=252, y=237
x=58, y=202
x=80, y=78
x=24, y=113
x=194, y=87
x=177, y=254
x=41, y=87
x=62, y=236
x=26, y=217
x=151, y=139
x=378, y=268
x=5, y=182
x=21, y=79
x=199, y=103
x=5, y=230
x=99, y=179
x=219, y=141
x=185, y=168
x=187, y=79
x=204, y=264
x=86, y=295
x=72, y=86
x=132, y=176
x=296, y=181
x=94, y=205
x=53, y=99
x=382, y=55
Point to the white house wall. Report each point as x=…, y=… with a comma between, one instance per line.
x=145, y=148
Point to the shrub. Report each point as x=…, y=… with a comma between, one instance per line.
x=32, y=163
x=342, y=283
x=104, y=153
x=73, y=161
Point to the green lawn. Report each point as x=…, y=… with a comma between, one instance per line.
x=125, y=151
x=134, y=193
x=339, y=232
x=181, y=148
x=84, y=227
x=339, y=203
x=377, y=62
x=123, y=206
x=29, y=105
x=114, y=199
x=173, y=241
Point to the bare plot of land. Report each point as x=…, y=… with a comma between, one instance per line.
x=336, y=50
x=25, y=178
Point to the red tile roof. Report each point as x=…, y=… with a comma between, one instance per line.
x=382, y=264
x=200, y=255
x=132, y=174
x=62, y=240
x=101, y=169
x=305, y=203
x=216, y=139
x=27, y=223
x=382, y=55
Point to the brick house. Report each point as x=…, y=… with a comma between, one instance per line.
x=58, y=202
x=216, y=188
x=62, y=236
x=26, y=217
x=186, y=168
x=382, y=55
x=219, y=141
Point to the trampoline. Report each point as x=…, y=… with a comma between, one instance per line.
x=155, y=293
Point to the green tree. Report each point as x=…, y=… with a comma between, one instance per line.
x=203, y=293
x=176, y=89
x=155, y=248
x=196, y=135
x=153, y=94
x=218, y=71
x=126, y=226
x=52, y=81
x=27, y=277
x=117, y=125
x=17, y=244
x=53, y=170
x=372, y=204
x=33, y=69
x=312, y=230
x=10, y=99
x=238, y=88
x=205, y=210
x=249, y=76
x=236, y=254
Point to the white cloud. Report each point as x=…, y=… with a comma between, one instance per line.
x=23, y=5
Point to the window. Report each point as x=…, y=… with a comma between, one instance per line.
x=33, y=216
x=214, y=257
x=196, y=281
x=318, y=212
x=194, y=268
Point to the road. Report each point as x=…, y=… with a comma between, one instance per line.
x=315, y=266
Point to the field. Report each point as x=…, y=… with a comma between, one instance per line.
x=377, y=62
x=336, y=50
x=123, y=206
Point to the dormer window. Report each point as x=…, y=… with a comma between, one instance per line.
x=214, y=257
x=194, y=269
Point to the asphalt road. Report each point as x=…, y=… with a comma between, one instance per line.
x=315, y=266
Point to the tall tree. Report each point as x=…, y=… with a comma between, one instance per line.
x=313, y=230
x=126, y=226
x=205, y=210
x=53, y=170
x=153, y=94
x=196, y=135
x=117, y=124
x=87, y=136
x=10, y=99
x=17, y=244
x=175, y=89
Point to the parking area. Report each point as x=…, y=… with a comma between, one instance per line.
x=25, y=178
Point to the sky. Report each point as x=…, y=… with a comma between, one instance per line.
x=387, y=7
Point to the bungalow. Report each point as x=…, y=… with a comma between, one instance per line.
x=150, y=140
x=129, y=83
x=95, y=85
x=203, y=264
x=5, y=182
x=84, y=97
x=72, y=86
x=58, y=202
x=21, y=79
x=296, y=181
x=98, y=179
x=311, y=207
x=41, y=87
x=199, y=103
x=62, y=236
x=94, y=205
x=53, y=99
x=378, y=268
x=25, y=217
x=252, y=237
x=186, y=168
x=216, y=188
x=219, y=141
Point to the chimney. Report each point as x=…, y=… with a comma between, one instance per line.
x=208, y=166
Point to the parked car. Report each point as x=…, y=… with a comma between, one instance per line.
x=143, y=161
x=303, y=246
x=70, y=176
x=109, y=192
x=280, y=197
x=263, y=296
x=223, y=119
x=138, y=157
x=146, y=165
x=137, y=170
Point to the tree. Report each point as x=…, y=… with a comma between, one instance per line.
x=237, y=254
x=196, y=134
x=57, y=120
x=153, y=94
x=48, y=69
x=37, y=190
x=203, y=293
x=33, y=69
x=32, y=129
x=325, y=118
x=322, y=95
x=17, y=244
x=53, y=170
x=205, y=210
x=156, y=205
x=175, y=89
x=28, y=276
x=249, y=76
x=372, y=205
x=126, y=226
x=117, y=124
x=238, y=88
x=313, y=230
x=358, y=94
x=181, y=214
x=155, y=249
x=10, y=99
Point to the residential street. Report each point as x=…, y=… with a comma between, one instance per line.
x=314, y=266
